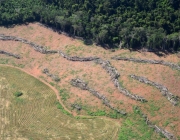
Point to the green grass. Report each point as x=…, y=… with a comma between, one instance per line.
x=71, y=49
x=36, y=114
x=153, y=108
x=4, y=61
x=18, y=94
x=111, y=114
x=64, y=94
x=135, y=128
x=52, y=84
x=59, y=106
x=97, y=113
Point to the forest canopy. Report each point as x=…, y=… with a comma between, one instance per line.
x=135, y=24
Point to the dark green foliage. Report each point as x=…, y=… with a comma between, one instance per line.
x=132, y=24
x=18, y=94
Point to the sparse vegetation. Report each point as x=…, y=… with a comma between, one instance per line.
x=59, y=106
x=64, y=94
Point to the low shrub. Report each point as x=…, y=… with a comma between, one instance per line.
x=18, y=94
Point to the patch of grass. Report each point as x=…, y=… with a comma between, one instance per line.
x=4, y=61
x=135, y=128
x=121, y=83
x=73, y=72
x=114, y=115
x=177, y=74
x=109, y=90
x=73, y=49
x=64, y=94
x=18, y=65
x=111, y=114
x=178, y=63
x=18, y=94
x=84, y=75
x=21, y=65
x=153, y=108
x=59, y=106
x=97, y=113
x=19, y=100
x=121, y=102
x=166, y=123
x=52, y=84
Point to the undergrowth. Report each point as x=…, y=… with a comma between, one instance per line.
x=134, y=127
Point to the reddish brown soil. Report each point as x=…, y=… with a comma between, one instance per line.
x=96, y=77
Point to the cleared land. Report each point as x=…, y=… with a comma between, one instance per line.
x=158, y=109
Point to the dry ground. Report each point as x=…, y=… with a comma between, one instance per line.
x=158, y=108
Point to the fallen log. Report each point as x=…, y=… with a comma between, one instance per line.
x=10, y=54
x=160, y=62
x=76, y=58
x=54, y=77
x=165, y=92
x=36, y=47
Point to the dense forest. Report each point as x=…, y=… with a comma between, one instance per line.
x=135, y=24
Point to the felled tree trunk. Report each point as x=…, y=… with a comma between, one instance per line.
x=10, y=54
x=165, y=92
x=36, y=47
x=160, y=62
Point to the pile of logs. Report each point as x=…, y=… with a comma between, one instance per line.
x=10, y=54
x=54, y=77
x=82, y=85
x=36, y=47
x=161, y=62
x=114, y=77
x=78, y=107
x=76, y=58
x=165, y=92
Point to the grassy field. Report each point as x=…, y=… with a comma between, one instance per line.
x=34, y=115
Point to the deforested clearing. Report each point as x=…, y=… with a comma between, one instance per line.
x=42, y=113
